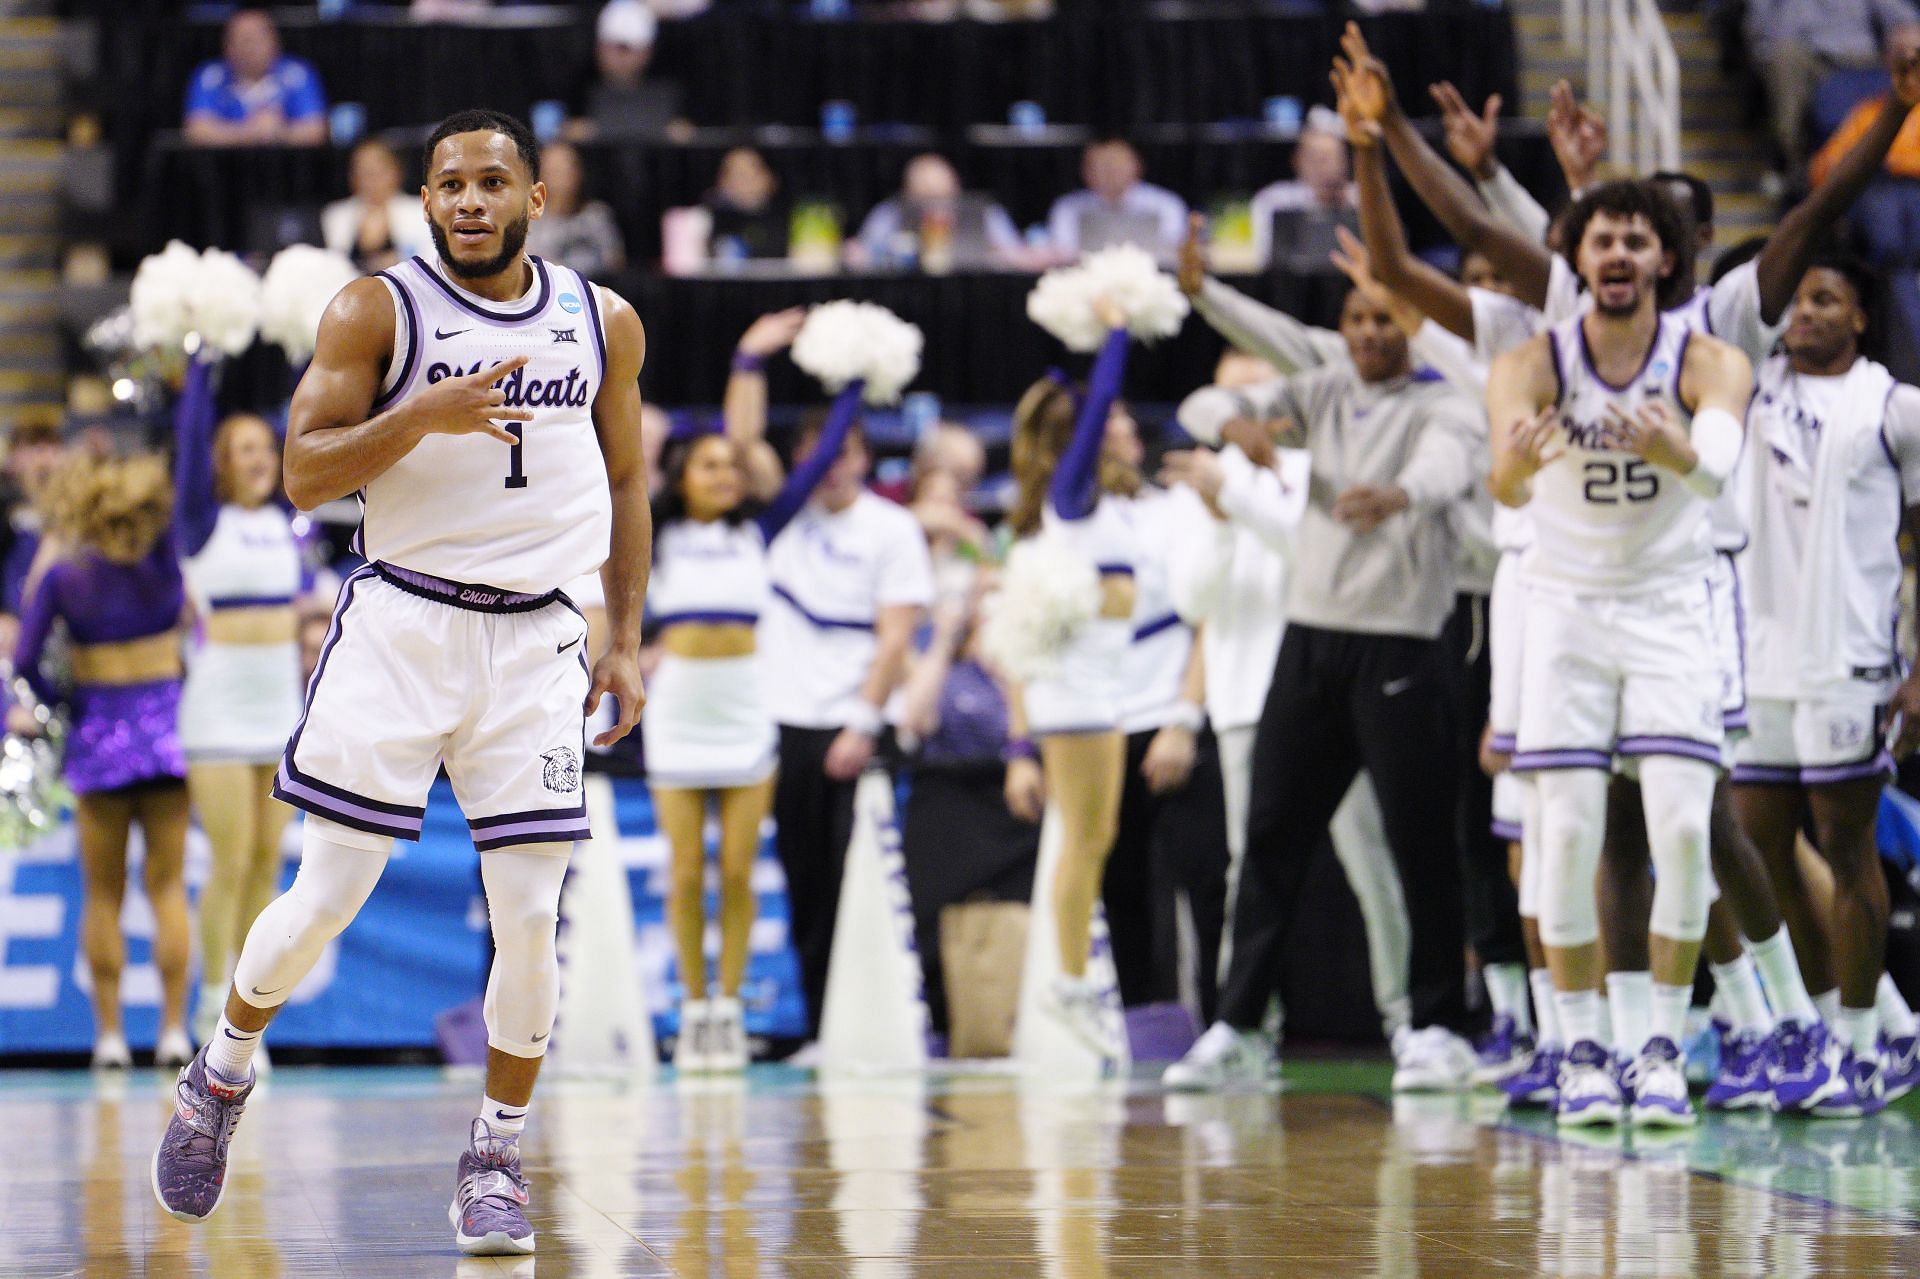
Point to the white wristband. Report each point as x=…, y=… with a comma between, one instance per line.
x=864, y=719
x=1716, y=437
x=1187, y=715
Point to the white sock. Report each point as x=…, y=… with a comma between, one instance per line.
x=230, y=1051
x=1858, y=1029
x=1605, y=1037
x=1630, y=1000
x=1827, y=1005
x=1896, y=1016
x=1507, y=992
x=1736, y=989
x=1580, y=1016
x=504, y=1120
x=1669, y=1019
x=1544, y=1011
x=1780, y=973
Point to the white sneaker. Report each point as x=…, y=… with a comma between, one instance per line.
x=692, y=1050
x=173, y=1051
x=727, y=1036
x=1431, y=1060
x=110, y=1053
x=1222, y=1058
x=1660, y=1098
x=1077, y=1004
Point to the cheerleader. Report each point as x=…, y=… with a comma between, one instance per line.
x=708, y=724
x=116, y=590
x=1075, y=715
x=242, y=564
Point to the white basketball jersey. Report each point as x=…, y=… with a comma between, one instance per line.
x=1605, y=520
x=527, y=517
x=252, y=560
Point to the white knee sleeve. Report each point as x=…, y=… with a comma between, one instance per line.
x=338, y=869
x=1678, y=796
x=1573, y=827
x=523, y=899
x=1529, y=848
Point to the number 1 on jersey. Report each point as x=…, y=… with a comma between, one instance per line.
x=516, y=456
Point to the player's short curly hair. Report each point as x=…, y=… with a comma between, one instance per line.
x=118, y=507
x=1647, y=199
x=484, y=120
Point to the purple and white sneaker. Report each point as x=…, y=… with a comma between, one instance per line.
x=1900, y=1059
x=1589, y=1091
x=488, y=1211
x=1744, y=1081
x=1863, y=1092
x=1537, y=1084
x=190, y=1165
x=1806, y=1065
x=1660, y=1086
x=1504, y=1052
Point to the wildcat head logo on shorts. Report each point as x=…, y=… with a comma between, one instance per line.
x=561, y=773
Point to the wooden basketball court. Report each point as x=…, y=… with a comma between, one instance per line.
x=343, y=1171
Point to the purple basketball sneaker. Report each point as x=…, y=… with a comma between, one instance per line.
x=488, y=1211
x=190, y=1166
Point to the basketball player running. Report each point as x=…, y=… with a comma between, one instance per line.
x=485, y=407
x=1620, y=427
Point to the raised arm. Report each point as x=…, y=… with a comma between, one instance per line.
x=1522, y=419
x=1784, y=260
x=744, y=408
x=807, y=475
x=1523, y=261
x=1255, y=327
x=616, y=421
x=1076, y=477
x=36, y=625
x=333, y=447
x=1470, y=140
x=196, y=506
x=1441, y=299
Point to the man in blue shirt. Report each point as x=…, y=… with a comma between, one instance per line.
x=255, y=94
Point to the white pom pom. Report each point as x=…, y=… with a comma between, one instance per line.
x=1048, y=591
x=1062, y=302
x=841, y=341
x=299, y=283
x=178, y=291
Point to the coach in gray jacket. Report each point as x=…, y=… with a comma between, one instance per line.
x=1361, y=680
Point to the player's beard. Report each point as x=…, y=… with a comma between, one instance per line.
x=1624, y=309
x=512, y=240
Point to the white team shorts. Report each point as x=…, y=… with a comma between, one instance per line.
x=1088, y=684
x=1815, y=741
x=707, y=725
x=1506, y=628
x=240, y=702
x=1608, y=674
x=1730, y=641
x=1510, y=806
x=417, y=672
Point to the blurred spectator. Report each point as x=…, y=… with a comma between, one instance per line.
x=1116, y=207
x=1293, y=221
x=1887, y=215
x=952, y=448
x=448, y=10
x=34, y=453
x=254, y=93
x=623, y=101
x=580, y=235
x=379, y=224
x=936, y=224
x=749, y=219
x=1797, y=42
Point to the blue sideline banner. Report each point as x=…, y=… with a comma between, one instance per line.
x=416, y=949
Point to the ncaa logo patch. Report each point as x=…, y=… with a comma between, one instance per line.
x=560, y=772
x=570, y=303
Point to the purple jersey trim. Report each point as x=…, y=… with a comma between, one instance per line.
x=706, y=616
x=824, y=623
x=1509, y=831
x=1570, y=757
x=1147, y=630
x=541, y=296
x=415, y=340
x=248, y=601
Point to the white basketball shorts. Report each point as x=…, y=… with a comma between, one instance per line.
x=1633, y=675
x=1815, y=741
x=1730, y=641
x=418, y=671
x=1506, y=630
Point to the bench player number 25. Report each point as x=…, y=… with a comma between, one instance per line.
x=1607, y=483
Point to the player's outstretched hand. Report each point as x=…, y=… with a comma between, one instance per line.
x=773, y=332
x=1536, y=440
x=473, y=403
x=1369, y=86
x=1654, y=434
x=1578, y=136
x=617, y=674
x=1470, y=136
x=1192, y=269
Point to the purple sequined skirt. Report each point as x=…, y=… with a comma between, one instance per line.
x=122, y=734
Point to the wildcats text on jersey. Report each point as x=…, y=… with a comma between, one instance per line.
x=522, y=391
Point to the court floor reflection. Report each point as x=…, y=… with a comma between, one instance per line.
x=346, y=1172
